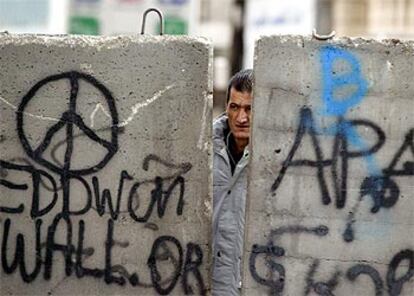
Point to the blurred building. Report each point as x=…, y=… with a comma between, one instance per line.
x=34, y=16
x=114, y=17
x=373, y=18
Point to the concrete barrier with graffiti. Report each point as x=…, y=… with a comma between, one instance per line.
x=105, y=183
x=330, y=199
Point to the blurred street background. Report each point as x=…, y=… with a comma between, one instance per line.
x=233, y=25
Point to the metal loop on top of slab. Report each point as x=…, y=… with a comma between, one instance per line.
x=323, y=37
x=145, y=18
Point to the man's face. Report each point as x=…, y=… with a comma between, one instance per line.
x=238, y=112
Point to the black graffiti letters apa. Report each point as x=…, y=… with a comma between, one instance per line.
x=341, y=154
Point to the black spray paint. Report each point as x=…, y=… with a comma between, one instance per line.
x=97, y=198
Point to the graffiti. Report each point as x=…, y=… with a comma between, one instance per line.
x=337, y=141
x=275, y=278
x=78, y=135
x=103, y=200
x=74, y=256
x=36, y=175
x=69, y=119
x=347, y=144
x=320, y=288
x=143, y=200
x=359, y=269
x=276, y=282
x=395, y=285
x=190, y=267
x=383, y=190
x=332, y=81
x=340, y=154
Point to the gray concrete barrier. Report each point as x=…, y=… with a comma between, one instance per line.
x=330, y=199
x=105, y=179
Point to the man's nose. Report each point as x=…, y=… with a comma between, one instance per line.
x=242, y=116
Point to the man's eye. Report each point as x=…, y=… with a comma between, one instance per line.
x=234, y=107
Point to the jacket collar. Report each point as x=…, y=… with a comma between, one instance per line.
x=220, y=125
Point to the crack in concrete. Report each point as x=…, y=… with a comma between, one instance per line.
x=304, y=258
x=27, y=113
x=136, y=107
x=98, y=107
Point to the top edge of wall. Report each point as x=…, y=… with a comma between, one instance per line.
x=345, y=41
x=87, y=40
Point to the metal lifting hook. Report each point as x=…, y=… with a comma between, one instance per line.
x=145, y=18
x=323, y=37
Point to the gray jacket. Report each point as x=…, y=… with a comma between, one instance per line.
x=229, y=196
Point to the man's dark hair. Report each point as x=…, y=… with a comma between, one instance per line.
x=242, y=81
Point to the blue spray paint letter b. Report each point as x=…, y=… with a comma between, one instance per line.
x=333, y=81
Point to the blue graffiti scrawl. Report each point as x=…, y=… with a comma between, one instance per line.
x=332, y=81
x=334, y=106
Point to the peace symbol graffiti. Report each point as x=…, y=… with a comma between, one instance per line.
x=68, y=120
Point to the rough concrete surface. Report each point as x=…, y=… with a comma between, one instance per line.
x=105, y=165
x=330, y=198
